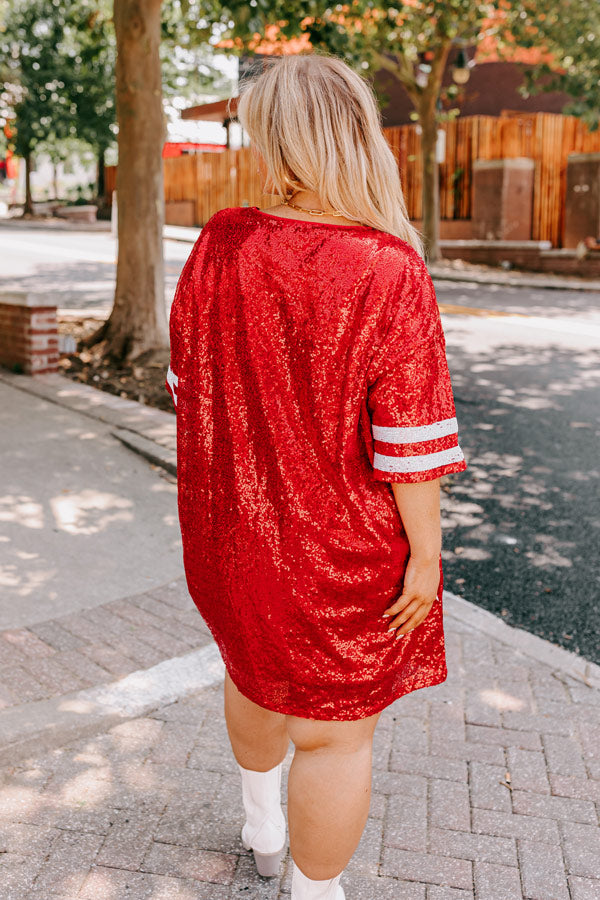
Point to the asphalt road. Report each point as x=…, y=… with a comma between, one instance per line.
x=522, y=524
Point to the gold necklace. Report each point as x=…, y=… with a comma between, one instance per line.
x=314, y=212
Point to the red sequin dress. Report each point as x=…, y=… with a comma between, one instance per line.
x=308, y=371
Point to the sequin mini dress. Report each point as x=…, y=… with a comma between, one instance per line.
x=308, y=373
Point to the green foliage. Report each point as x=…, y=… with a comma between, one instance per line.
x=190, y=31
x=411, y=40
x=570, y=31
x=93, y=57
x=57, y=62
x=83, y=195
x=58, y=58
x=30, y=33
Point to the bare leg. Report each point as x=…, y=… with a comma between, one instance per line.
x=259, y=737
x=329, y=792
x=329, y=784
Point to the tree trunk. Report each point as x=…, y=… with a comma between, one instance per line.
x=55, y=179
x=426, y=103
x=138, y=321
x=28, y=198
x=100, y=182
x=431, y=187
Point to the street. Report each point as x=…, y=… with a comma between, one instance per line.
x=522, y=524
x=77, y=267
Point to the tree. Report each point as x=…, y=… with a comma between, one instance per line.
x=92, y=53
x=58, y=60
x=61, y=62
x=137, y=323
x=138, y=320
x=35, y=75
x=568, y=34
x=411, y=40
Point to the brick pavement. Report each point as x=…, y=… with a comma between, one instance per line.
x=484, y=788
x=95, y=646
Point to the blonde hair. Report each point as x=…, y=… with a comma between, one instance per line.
x=317, y=126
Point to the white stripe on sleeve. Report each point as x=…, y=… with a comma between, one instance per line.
x=402, y=435
x=173, y=381
x=422, y=463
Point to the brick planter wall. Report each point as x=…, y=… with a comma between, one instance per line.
x=522, y=254
x=28, y=333
x=502, y=199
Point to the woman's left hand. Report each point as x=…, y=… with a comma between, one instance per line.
x=421, y=583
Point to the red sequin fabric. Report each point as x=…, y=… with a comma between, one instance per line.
x=308, y=372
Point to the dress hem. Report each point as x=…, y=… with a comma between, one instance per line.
x=284, y=709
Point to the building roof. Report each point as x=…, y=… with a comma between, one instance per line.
x=212, y=112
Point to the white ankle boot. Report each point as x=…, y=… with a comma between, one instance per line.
x=264, y=831
x=304, y=888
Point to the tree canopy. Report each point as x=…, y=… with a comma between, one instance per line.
x=57, y=62
x=568, y=33
x=406, y=38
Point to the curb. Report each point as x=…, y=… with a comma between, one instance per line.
x=485, y=278
x=54, y=223
x=153, y=452
x=576, y=667
x=181, y=233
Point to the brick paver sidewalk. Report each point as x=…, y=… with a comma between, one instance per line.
x=486, y=787
x=95, y=646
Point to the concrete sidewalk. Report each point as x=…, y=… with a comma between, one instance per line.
x=84, y=520
x=117, y=778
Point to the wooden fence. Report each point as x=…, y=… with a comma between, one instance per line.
x=213, y=181
x=547, y=138
x=110, y=181
x=230, y=178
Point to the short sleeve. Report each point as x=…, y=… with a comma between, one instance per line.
x=410, y=400
x=175, y=345
x=171, y=384
x=179, y=334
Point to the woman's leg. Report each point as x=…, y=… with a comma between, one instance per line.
x=329, y=792
x=329, y=783
x=259, y=737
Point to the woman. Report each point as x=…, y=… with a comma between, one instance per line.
x=315, y=418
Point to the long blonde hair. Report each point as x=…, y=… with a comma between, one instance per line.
x=317, y=126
